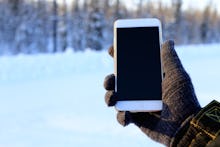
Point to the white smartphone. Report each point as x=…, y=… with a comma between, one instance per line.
x=137, y=60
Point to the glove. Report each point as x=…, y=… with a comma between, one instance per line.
x=178, y=96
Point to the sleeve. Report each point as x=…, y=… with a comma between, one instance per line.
x=201, y=130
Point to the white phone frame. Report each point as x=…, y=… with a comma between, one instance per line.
x=139, y=105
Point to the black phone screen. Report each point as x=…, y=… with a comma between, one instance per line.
x=138, y=64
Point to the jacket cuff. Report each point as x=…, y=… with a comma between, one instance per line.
x=200, y=129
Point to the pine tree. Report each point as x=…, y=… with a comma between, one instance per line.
x=205, y=24
x=79, y=25
x=55, y=25
x=95, y=26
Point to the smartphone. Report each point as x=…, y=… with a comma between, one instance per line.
x=137, y=63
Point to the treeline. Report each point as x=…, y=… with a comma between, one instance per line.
x=32, y=26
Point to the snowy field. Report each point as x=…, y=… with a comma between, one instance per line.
x=58, y=100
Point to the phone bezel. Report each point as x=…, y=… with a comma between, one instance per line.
x=139, y=105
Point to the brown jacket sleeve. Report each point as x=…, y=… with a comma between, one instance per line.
x=202, y=130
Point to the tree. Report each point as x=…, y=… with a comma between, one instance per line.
x=106, y=6
x=48, y=26
x=14, y=5
x=205, y=24
x=213, y=34
x=78, y=25
x=63, y=26
x=96, y=26
x=54, y=25
x=118, y=10
x=12, y=11
x=41, y=26
x=177, y=20
x=140, y=8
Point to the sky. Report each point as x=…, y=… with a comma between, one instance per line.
x=186, y=3
x=200, y=4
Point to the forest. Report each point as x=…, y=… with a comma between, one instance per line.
x=40, y=26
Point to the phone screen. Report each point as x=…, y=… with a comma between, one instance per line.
x=138, y=64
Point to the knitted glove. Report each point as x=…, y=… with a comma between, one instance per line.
x=178, y=96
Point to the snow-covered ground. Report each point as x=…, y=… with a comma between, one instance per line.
x=58, y=100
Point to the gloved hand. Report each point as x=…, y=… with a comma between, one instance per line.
x=178, y=96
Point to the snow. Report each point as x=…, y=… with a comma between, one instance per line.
x=202, y=63
x=53, y=100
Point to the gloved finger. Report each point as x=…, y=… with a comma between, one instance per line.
x=111, y=51
x=109, y=82
x=123, y=118
x=141, y=119
x=110, y=98
x=170, y=59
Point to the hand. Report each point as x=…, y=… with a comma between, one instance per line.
x=178, y=96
